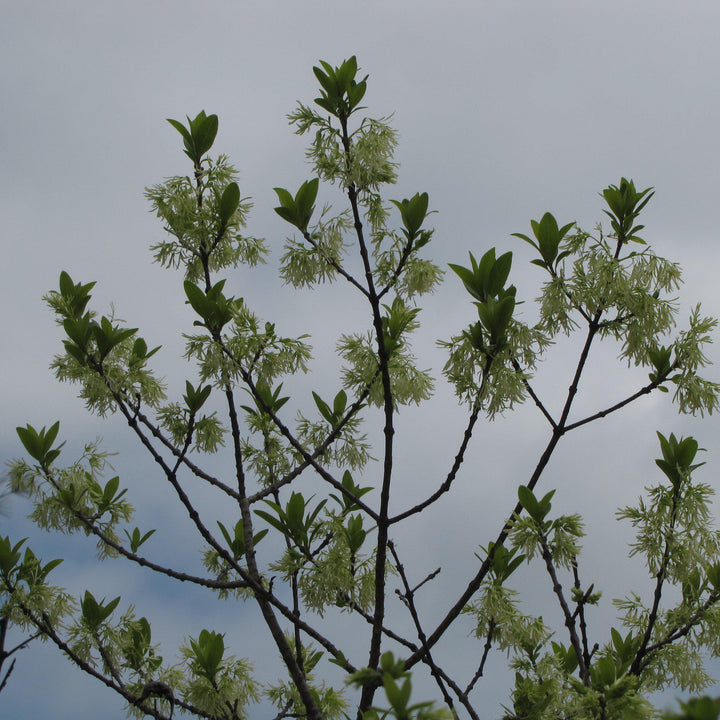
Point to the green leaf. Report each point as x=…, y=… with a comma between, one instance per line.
x=354, y=533
x=286, y=199
x=182, y=130
x=136, y=539
x=545, y=503
x=339, y=404
x=9, y=554
x=30, y=440
x=464, y=274
x=324, y=78
x=95, y=613
x=306, y=195
x=110, y=494
x=198, y=136
x=340, y=92
x=277, y=523
x=702, y=708
x=298, y=210
x=195, y=397
x=204, y=134
x=603, y=673
x=567, y=656
x=413, y=213
x=76, y=296
x=346, y=503
x=229, y=202
x=208, y=651
x=713, y=574
x=214, y=308
x=108, y=336
x=529, y=502
x=390, y=666
x=324, y=408
x=398, y=696
x=340, y=660
x=38, y=444
x=499, y=274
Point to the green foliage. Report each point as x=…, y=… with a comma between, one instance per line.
x=299, y=209
x=398, y=688
x=95, y=613
x=100, y=356
x=702, y=708
x=413, y=213
x=306, y=521
x=212, y=306
x=39, y=444
x=198, y=136
x=548, y=237
x=197, y=216
x=353, y=492
x=340, y=92
x=317, y=258
x=293, y=522
x=408, y=383
x=625, y=204
x=236, y=542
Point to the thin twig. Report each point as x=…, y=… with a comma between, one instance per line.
x=532, y=394
x=569, y=618
x=459, y=457
x=408, y=597
x=580, y=611
x=486, y=652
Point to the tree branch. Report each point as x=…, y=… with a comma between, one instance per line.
x=532, y=394
x=459, y=458
x=569, y=618
x=408, y=597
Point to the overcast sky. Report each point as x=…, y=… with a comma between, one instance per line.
x=505, y=110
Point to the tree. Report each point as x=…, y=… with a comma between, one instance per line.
x=299, y=551
x=5, y=654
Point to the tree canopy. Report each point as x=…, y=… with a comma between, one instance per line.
x=313, y=535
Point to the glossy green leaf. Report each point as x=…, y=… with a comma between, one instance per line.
x=229, y=202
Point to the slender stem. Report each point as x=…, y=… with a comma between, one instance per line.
x=336, y=265
x=247, y=581
x=408, y=597
x=107, y=660
x=580, y=612
x=143, y=561
x=407, y=250
x=155, y=431
x=47, y=630
x=459, y=458
x=660, y=578
x=603, y=413
x=308, y=457
x=557, y=433
x=293, y=579
x=679, y=631
x=486, y=652
x=4, y=680
x=532, y=394
x=389, y=432
x=569, y=618
x=291, y=662
x=5, y=654
x=392, y=635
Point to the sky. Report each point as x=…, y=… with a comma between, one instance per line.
x=504, y=111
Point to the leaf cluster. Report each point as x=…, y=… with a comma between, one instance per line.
x=198, y=136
